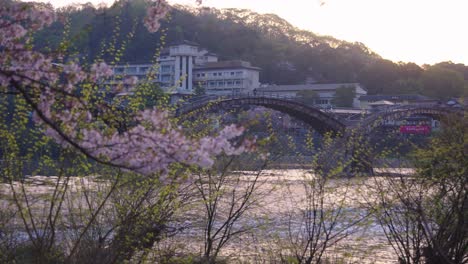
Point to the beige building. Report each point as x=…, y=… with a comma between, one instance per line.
x=325, y=92
x=227, y=77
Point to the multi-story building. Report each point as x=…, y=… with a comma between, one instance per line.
x=185, y=65
x=227, y=77
x=173, y=70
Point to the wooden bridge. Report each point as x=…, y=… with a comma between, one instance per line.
x=321, y=120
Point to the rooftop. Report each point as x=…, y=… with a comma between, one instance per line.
x=382, y=102
x=302, y=87
x=184, y=42
x=227, y=65
x=389, y=97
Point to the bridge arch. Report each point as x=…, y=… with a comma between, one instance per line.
x=394, y=114
x=314, y=117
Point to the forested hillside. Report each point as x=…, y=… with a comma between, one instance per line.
x=287, y=55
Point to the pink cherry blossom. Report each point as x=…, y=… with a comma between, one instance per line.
x=18, y=63
x=131, y=81
x=154, y=14
x=100, y=71
x=149, y=146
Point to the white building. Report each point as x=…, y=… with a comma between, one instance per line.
x=324, y=92
x=183, y=65
x=227, y=77
x=173, y=70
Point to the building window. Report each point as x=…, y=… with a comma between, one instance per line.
x=220, y=84
x=238, y=82
x=321, y=102
x=118, y=70
x=232, y=73
x=165, y=68
x=230, y=82
x=180, y=70
x=239, y=73
x=212, y=83
x=131, y=70
x=144, y=69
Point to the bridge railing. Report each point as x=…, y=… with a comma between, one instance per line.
x=195, y=102
x=400, y=110
x=366, y=117
x=394, y=108
x=242, y=95
x=199, y=101
x=258, y=94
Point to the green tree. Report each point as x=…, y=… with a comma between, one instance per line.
x=344, y=96
x=199, y=90
x=307, y=96
x=461, y=68
x=425, y=216
x=443, y=168
x=442, y=83
x=407, y=86
x=378, y=76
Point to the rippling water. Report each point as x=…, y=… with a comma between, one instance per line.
x=277, y=213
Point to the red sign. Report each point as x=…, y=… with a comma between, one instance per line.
x=415, y=129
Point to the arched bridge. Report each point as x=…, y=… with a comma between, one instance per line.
x=321, y=120
x=394, y=113
x=312, y=116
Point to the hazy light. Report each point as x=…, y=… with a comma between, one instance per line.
x=422, y=31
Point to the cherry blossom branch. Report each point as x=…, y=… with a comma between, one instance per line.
x=30, y=101
x=149, y=146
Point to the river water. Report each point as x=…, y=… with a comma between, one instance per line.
x=278, y=219
x=281, y=205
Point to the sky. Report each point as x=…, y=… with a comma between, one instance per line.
x=420, y=31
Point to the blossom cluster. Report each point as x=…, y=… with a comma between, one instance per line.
x=154, y=14
x=150, y=145
x=17, y=62
x=100, y=71
x=153, y=144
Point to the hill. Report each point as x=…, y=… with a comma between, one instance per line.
x=286, y=54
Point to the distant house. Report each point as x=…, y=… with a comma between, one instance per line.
x=325, y=92
x=368, y=101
